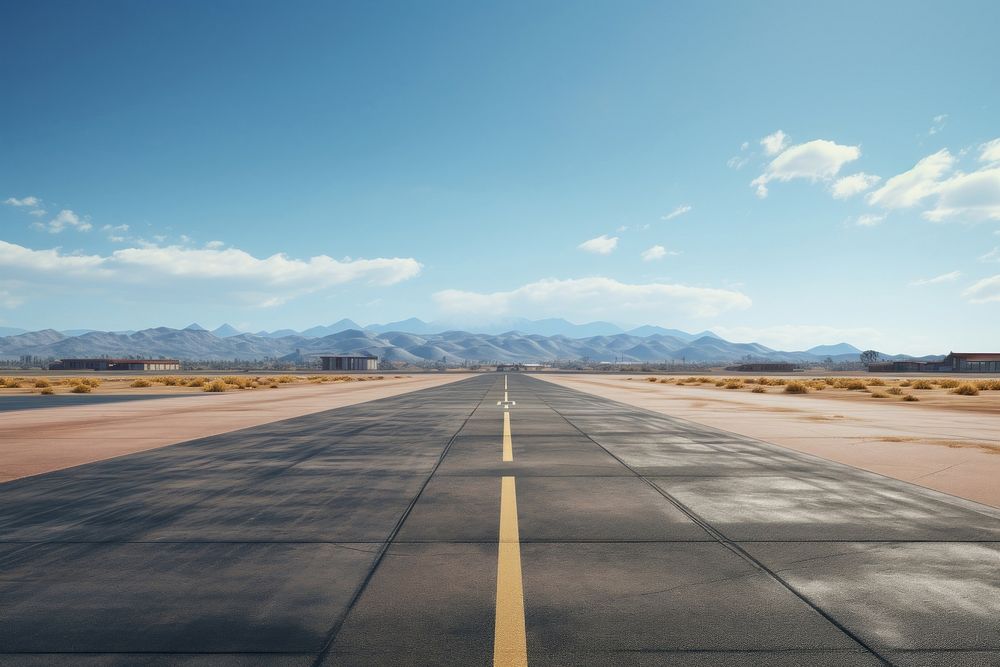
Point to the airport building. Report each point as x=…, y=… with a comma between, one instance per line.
x=101, y=364
x=955, y=362
x=349, y=363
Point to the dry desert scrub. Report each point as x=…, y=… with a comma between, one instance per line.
x=759, y=390
x=966, y=389
x=910, y=398
x=651, y=379
x=988, y=385
x=895, y=391
x=47, y=391
x=42, y=383
x=796, y=387
x=876, y=382
x=948, y=384
x=921, y=384
x=81, y=389
x=215, y=386
x=878, y=394
x=141, y=382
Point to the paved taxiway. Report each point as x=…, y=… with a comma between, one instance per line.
x=393, y=532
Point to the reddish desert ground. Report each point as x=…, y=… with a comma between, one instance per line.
x=44, y=439
x=947, y=442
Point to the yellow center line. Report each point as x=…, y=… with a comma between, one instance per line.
x=509, y=642
x=508, y=448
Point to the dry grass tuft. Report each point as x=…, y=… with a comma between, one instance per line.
x=910, y=398
x=966, y=389
x=651, y=379
x=42, y=383
x=895, y=391
x=796, y=387
x=948, y=383
x=878, y=394
x=81, y=389
x=921, y=384
x=141, y=382
x=876, y=382
x=758, y=390
x=48, y=391
x=734, y=384
x=216, y=386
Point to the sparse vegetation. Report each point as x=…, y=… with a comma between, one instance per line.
x=759, y=390
x=141, y=382
x=910, y=398
x=878, y=394
x=81, y=388
x=966, y=389
x=42, y=383
x=921, y=384
x=47, y=391
x=876, y=382
x=948, y=383
x=895, y=391
x=215, y=386
x=796, y=387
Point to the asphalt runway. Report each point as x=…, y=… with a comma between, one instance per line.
x=34, y=402
x=394, y=532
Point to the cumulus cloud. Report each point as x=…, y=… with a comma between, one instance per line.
x=593, y=297
x=601, y=245
x=657, y=252
x=817, y=160
x=909, y=188
x=937, y=280
x=855, y=184
x=938, y=123
x=984, y=291
x=800, y=336
x=970, y=197
x=990, y=151
x=774, y=143
x=868, y=220
x=30, y=202
x=677, y=212
x=229, y=271
x=65, y=219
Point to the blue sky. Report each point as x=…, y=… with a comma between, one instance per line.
x=287, y=164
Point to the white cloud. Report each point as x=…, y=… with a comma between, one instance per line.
x=677, y=212
x=868, y=220
x=214, y=245
x=657, y=252
x=937, y=124
x=814, y=161
x=602, y=245
x=737, y=162
x=31, y=202
x=65, y=219
x=910, y=187
x=745, y=145
x=774, y=143
x=968, y=197
x=8, y=300
x=937, y=280
x=201, y=271
x=984, y=291
x=991, y=256
x=593, y=297
x=990, y=151
x=115, y=232
x=800, y=336
x=848, y=186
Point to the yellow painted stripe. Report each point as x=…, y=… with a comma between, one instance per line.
x=509, y=642
x=508, y=448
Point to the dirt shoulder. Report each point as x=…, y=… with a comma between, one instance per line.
x=45, y=439
x=940, y=447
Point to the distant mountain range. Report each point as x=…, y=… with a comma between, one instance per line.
x=398, y=341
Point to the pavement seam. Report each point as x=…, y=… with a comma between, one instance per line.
x=332, y=633
x=726, y=542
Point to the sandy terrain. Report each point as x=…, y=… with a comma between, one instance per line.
x=40, y=440
x=937, y=446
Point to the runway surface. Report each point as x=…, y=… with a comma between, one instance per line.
x=394, y=532
x=31, y=402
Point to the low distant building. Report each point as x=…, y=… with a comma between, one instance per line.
x=349, y=363
x=101, y=364
x=514, y=368
x=763, y=367
x=955, y=362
